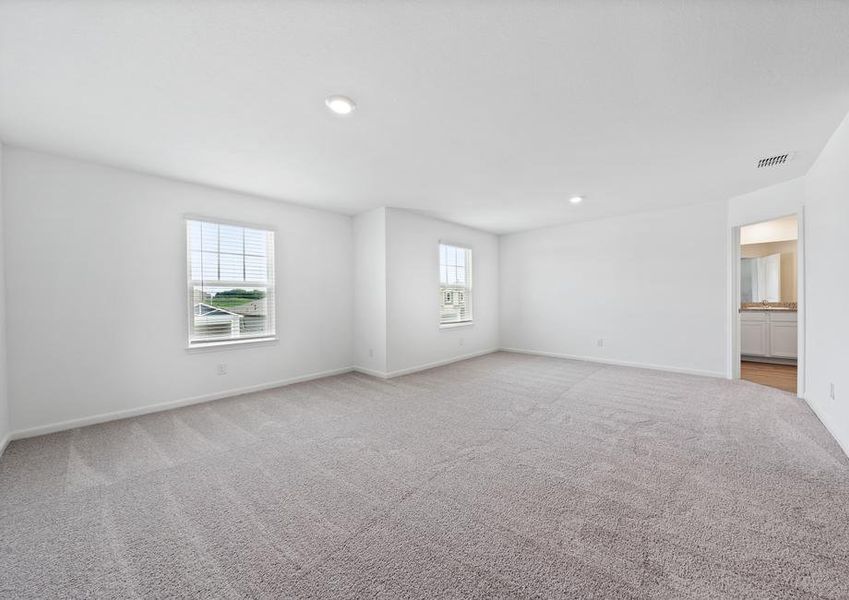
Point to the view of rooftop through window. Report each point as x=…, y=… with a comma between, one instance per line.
x=231, y=282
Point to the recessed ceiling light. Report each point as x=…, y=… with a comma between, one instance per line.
x=341, y=105
x=576, y=199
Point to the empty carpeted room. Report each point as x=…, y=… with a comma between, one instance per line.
x=406, y=299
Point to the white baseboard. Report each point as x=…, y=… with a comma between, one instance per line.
x=620, y=363
x=438, y=363
x=4, y=443
x=372, y=372
x=151, y=408
x=424, y=367
x=844, y=445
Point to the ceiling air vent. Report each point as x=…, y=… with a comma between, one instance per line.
x=775, y=161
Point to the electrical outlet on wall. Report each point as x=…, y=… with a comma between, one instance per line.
x=221, y=369
x=371, y=352
x=831, y=390
x=600, y=342
x=461, y=341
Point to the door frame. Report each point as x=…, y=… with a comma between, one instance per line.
x=733, y=367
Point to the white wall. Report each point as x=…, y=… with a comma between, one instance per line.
x=95, y=265
x=412, y=250
x=5, y=426
x=768, y=203
x=651, y=285
x=827, y=284
x=370, y=292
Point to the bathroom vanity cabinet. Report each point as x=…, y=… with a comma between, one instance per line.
x=768, y=333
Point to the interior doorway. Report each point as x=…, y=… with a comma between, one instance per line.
x=767, y=301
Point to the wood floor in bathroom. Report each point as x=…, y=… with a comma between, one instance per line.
x=782, y=377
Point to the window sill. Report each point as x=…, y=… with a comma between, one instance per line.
x=455, y=325
x=231, y=344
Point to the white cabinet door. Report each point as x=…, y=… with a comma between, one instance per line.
x=754, y=337
x=783, y=339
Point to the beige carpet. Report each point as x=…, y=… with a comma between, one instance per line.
x=504, y=476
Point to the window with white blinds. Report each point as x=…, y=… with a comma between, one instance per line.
x=455, y=284
x=231, y=282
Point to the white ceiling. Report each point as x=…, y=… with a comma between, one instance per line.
x=490, y=114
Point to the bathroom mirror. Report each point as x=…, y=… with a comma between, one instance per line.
x=760, y=279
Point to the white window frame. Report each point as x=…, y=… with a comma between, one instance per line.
x=469, y=288
x=270, y=284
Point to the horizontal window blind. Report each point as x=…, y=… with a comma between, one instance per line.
x=455, y=284
x=231, y=282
